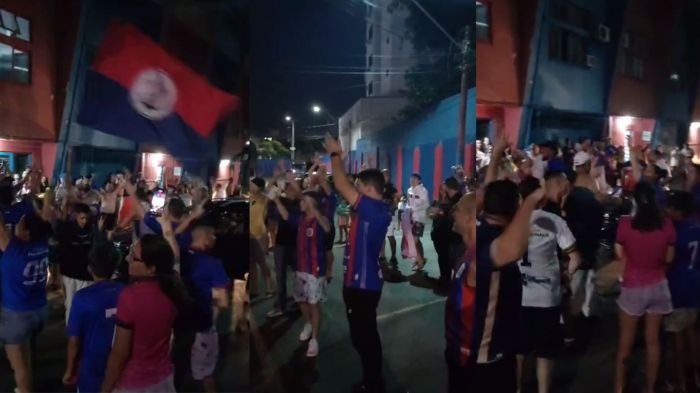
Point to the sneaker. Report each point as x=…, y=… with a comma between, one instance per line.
x=312, y=351
x=305, y=333
x=274, y=313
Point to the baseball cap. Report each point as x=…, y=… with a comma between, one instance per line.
x=581, y=158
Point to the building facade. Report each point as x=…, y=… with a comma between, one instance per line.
x=572, y=69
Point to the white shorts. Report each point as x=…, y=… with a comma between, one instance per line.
x=309, y=288
x=205, y=353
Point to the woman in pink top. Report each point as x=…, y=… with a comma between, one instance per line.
x=645, y=245
x=146, y=310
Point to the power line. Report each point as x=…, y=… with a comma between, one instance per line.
x=439, y=26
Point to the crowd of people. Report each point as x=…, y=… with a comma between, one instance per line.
x=141, y=319
x=557, y=224
x=294, y=216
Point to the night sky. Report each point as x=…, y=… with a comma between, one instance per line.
x=288, y=37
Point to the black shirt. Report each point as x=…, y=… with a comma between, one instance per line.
x=286, y=231
x=74, y=245
x=584, y=215
x=389, y=194
x=442, y=223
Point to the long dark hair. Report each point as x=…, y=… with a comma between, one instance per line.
x=648, y=217
x=156, y=251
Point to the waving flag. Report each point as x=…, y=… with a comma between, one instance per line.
x=137, y=91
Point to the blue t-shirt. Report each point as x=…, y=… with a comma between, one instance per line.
x=361, y=261
x=183, y=239
x=91, y=320
x=13, y=213
x=311, y=241
x=23, y=269
x=684, y=273
x=201, y=273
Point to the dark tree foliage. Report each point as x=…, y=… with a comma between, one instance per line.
x=431, y=81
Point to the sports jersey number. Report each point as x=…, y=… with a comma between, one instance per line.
x=694, y=247
x=35, y=271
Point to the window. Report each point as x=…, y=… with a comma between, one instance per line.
x=571, y=14
x=634, y=53
x=388, y=39
x=14, y=64
x=483, y=22
x=370, y=89
x=370, y=32
x=387, y=72
x=567, y=46
x=370, y=60
x=14, y=26
x=632, y=66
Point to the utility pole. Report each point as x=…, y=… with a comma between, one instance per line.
x=293, y=148
x=462, y=128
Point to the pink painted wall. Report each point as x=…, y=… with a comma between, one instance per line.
x=437, y=171
x=636, y=125
x=694, y=138
x=416, y=159
x=506, y=119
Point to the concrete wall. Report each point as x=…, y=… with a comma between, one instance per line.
x=32, y=111
x=425, y=144
x=502, y=60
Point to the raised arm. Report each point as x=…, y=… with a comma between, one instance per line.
x=284, y=213
x=340, y=179
x=636, y=168
x=5, y=234
x=499, y=147
x=512, y=244
x=322, y=220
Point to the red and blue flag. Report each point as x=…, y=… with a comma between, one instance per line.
x=136, y=90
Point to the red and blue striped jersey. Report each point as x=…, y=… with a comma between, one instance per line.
x=367, y=232
x=311, y=240
x=459, y=315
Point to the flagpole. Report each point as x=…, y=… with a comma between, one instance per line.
x=77, y=67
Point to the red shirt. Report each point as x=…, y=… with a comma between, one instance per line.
x=145, y=310
x=645, y=253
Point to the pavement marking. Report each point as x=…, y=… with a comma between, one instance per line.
x=408, y=309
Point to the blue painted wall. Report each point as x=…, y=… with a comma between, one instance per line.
x=434, y=125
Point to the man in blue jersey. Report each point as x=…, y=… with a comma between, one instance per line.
x=91, y=322
x=311, y=282
x=207, y=282
x=23, y=269
x=684, y=284
x=362, y=275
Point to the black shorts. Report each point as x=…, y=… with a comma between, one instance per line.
x=110, y=221
x=499, y=376
x=540, y=332
x=330, y=238
x=417, y=228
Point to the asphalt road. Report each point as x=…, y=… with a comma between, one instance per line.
x=233, y=373
x=411, y=326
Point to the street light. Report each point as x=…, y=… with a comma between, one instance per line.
x=289, y=119
x=316, y=109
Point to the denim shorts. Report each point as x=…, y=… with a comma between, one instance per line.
x=650, y=299
x=18, y=327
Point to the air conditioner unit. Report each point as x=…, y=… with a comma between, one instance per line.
x=590, y=61
x=603, y=33
x=625, y=41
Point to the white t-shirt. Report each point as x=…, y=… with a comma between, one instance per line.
x=418, y=203
x=540, y=266
x=537, y=166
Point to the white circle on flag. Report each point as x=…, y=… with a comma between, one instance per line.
x=153, y=94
